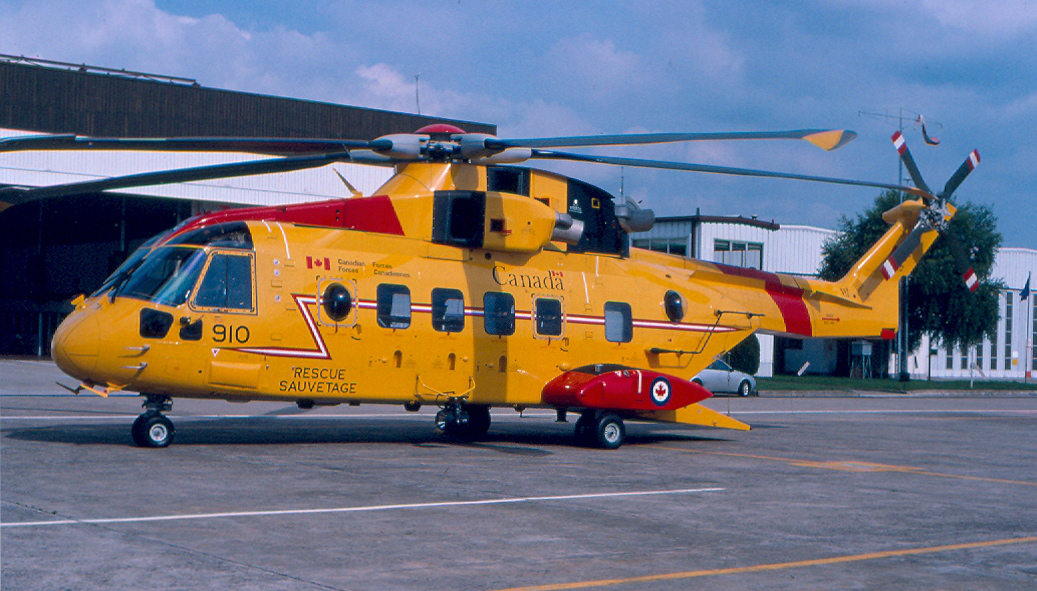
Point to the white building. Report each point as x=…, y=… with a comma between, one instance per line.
x=796, y=250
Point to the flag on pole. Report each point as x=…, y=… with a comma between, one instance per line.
x=1025, y=293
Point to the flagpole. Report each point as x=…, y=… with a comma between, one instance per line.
x=1028, y=357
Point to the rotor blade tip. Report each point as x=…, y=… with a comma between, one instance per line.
x=831, y=140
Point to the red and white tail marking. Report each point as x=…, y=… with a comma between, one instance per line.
x=971, y=281
x=889, y=268
x=973, y=160
x=899, y=142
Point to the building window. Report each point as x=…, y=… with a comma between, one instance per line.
x=979, y=356
x=738, y=254
x=499, y=313
x=1008, y=330
x=964, y=359
x=950, y=359
x=619, y=322
x=447, y=310
x=667, y=245
x=393, y=306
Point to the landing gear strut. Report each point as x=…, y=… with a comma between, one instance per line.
x=600, y=428
x=464, y=421
x=154, y=429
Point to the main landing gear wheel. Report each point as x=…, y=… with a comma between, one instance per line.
x=463, y=421
x=154, y=429
x=601, y=429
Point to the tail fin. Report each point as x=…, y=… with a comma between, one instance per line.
x=871, y=286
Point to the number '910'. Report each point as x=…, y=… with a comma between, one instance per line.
x=221, y=333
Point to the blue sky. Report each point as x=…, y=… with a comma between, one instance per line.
x=558, y=68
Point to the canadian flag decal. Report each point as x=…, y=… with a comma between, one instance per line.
x=318, y=263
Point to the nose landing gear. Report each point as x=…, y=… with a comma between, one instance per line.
x=154, y=429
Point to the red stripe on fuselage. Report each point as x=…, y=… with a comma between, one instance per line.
x=788, y=299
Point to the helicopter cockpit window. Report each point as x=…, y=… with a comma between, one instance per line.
x=619, y=322
x=447, y=310
x=393, y=306
x=166, y=276
x=123, y=271
x=226, y=235
x=499, y=313
x=227, y=284
x=548, y=317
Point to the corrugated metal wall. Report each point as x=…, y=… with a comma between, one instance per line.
x=63, y=101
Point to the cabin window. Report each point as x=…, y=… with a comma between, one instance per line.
x=674, y=306
x=619, y=322
x=548, y=317
x=393, y=306
x=499, y=313
x=447, y=310
x=227, y=284
x=154, y=324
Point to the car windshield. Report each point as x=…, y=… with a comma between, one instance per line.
x=166, y=276
x=718, y=364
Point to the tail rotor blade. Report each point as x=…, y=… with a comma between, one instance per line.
x=909, y=162
x=959, y=175
x=904, y=250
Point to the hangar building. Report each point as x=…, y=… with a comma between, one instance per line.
x=54, y=249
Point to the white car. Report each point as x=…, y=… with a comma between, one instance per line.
x=721, y=377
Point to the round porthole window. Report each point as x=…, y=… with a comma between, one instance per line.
x=674, y=304
x=337, y=302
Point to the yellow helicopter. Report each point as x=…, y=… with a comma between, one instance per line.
x=464, y=281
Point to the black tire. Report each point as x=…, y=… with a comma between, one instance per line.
x=745, y=388
x=610, y=432
x=478, y=421
x=153, y=430
x=137, y=431
x=585, y=430
x=697, y=382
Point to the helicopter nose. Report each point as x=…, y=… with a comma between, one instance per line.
x=75, y=345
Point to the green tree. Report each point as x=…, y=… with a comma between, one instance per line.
x=746, y=355
x=938, y=303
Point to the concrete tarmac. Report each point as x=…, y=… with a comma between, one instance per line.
x=889, y=492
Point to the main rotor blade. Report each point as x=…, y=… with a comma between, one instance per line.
x=188, y=144
x=179, y=175
x=635, y=162
x=904, y=249
x=909, y=162
x=961, y=261
x=825, y=139
x=959, y=175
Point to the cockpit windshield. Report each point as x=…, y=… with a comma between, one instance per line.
x=166, y=276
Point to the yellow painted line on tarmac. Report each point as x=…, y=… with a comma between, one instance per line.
x=774, y=566
x=853, y=466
